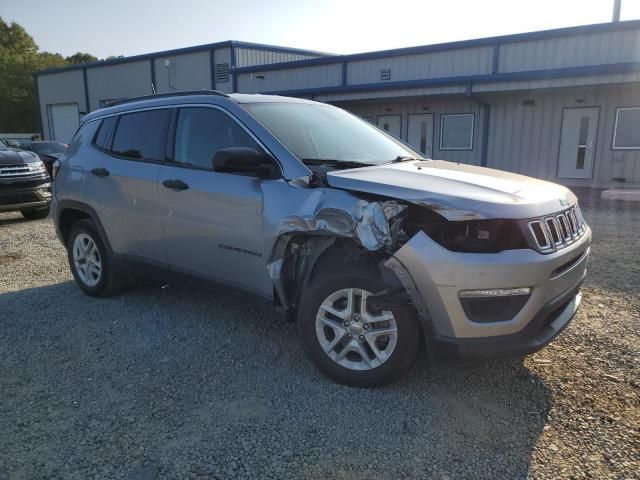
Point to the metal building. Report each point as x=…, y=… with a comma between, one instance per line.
x=561, y=104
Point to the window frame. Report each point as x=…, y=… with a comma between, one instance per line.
x=171, y=141
x=615, y=130
x=112, y=135
x=473, y=131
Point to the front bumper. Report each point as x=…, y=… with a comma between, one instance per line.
x=24, y=194
x=435, y=276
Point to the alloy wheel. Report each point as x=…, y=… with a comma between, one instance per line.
x=351, y=334
x=87, y=260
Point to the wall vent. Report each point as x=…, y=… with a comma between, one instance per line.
x=222, y=72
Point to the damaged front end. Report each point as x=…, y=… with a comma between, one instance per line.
x=308, y=222
x=320, y=218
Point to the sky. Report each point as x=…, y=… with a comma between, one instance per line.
x=129, y=27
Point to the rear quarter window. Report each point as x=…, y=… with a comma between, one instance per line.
x=105, y=133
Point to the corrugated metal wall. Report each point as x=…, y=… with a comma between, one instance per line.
x=247, y=57
x=291, y=79
x=118, y=81
x=436, y=106
x=222, y=56
x=591, y=49
x=183, y=72
x=63, y=87
x=468, y=61
x=525, y=130
x=525, y=138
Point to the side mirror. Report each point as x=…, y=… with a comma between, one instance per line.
x=13, y=144
x=244, y=161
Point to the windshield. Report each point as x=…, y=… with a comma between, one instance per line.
x=326, y=133
x=45, y=148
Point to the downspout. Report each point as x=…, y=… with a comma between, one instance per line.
x=486, y=118
x=86, y=90
x=37, y=92
x=234, y=79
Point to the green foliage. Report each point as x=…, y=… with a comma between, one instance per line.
x=81, y=57
x=20, y=58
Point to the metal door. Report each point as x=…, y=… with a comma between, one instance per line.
x=577, y=142
x=420, y=134
x=63, y=121
x=391, y=124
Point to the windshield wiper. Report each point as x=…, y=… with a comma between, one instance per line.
x=403, y=158
x=335, y=163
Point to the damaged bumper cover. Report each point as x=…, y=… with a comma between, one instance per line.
x=436, y=279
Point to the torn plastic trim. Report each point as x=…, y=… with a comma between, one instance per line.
x=327, y=213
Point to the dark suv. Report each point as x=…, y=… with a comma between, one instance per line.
x=25, y=185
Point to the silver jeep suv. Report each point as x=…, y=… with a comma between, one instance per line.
x=373, y=250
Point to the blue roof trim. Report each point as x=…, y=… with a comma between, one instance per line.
x=439, y=47
x=469, y=80
x=177, y=51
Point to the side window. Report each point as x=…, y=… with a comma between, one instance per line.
x=105, y=133
x=142, y=135
x=201, y=132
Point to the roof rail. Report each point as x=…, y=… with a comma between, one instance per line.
x=182, y=93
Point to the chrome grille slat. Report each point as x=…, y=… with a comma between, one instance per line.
x=14, y=170
x=558, y=231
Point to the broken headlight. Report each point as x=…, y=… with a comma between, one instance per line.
x=471, y=236
x=481, y=236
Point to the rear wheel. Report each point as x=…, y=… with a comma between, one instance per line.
x=35, y=214
x=350, y=342
x=90, y=261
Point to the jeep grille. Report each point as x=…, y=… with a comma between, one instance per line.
x=557, y=231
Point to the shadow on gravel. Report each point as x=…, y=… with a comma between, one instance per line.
x=7, y=220
x=204, y=386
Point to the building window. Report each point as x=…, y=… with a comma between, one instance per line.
x=456, y=131
x=626, y=134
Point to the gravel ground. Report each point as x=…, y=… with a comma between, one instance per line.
x=176, y=383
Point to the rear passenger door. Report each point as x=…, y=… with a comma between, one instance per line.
x=212, y=222
x=121, y=181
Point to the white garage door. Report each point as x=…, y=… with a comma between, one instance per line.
x=63, y=121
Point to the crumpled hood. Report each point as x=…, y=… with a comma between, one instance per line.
x=16, y=157
x=457, y=191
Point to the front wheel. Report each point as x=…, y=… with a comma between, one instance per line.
x=350, y=342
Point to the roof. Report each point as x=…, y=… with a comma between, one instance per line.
x=185, y=50
x=440, y=47
x=325, y=57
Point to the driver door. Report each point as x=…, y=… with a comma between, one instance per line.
x=212, y=221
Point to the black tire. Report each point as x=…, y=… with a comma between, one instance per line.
x=35, y=214
x=110, y=281
x=408, y=330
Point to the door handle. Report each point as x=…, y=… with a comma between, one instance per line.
x=175, y=184
x=100, y=172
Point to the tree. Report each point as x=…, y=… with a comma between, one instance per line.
x=20, y=59
x=81, y=57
